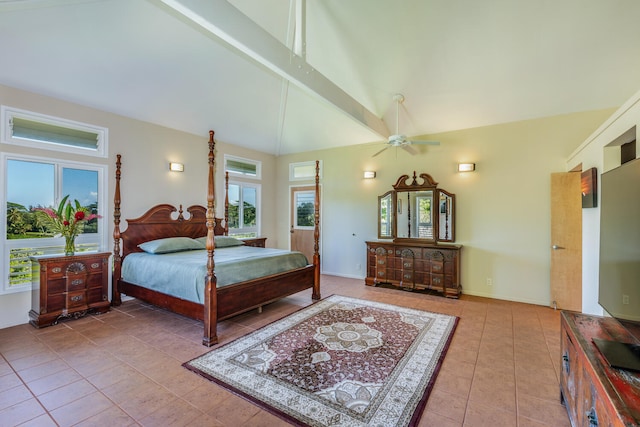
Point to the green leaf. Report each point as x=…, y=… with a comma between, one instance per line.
x=67, y=212
x=61, y=205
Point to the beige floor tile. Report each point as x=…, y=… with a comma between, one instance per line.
x=124, y=368
x=21, y=412
x=81, y=409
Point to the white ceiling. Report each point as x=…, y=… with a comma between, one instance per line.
x=459, y=63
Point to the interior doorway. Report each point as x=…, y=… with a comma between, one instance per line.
x=566, y=241
x=302, y=219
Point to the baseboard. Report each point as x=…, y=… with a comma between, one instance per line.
x=346, y=276
x=505, y=298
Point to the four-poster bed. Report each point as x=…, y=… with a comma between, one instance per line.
x=219, y=301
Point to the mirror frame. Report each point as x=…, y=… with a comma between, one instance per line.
x=448, y=234
x=410, y=184
x=392, y=215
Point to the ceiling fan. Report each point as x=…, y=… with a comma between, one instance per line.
x=398, y=140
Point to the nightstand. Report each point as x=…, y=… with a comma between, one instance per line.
x=68, y=286
x=258, y=242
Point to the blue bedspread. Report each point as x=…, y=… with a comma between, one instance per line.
x=182, y=274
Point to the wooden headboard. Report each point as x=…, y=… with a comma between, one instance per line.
x=160, y=222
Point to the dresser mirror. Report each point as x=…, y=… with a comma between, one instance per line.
x=416, y=210
x=445, y=216
x=386, y=215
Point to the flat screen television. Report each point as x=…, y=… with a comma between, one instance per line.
x=619, y=281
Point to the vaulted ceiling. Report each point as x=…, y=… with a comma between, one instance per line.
x=459, y=63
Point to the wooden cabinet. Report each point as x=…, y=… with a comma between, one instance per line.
x=594, y=393
x=68, y=286
x=258, y=242
x=414, y=265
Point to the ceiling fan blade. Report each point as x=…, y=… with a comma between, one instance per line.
x=380, y=151
x=426, y=142
x=409, y=149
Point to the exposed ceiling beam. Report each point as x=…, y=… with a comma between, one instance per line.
x=221, y=19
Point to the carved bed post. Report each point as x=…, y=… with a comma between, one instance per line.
x=316, y=238
x=210, y=286
x=226, y=203
x=117, y=259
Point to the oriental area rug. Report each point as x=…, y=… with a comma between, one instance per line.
x=339, y=362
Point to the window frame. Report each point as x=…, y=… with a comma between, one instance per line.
x=256, y=163
x=101, y=239
x=295, y=168
x=257, y=228
x=296, y=226
x=8, y=113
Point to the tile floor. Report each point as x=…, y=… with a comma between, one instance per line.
x=123, y=368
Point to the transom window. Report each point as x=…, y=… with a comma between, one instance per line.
x=304, y=171
x=28, y=129
x=243, y=167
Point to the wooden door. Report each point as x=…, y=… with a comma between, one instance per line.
x=566, y=241
x=302, y=220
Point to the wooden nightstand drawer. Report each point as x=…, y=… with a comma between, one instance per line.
x=55, y=270
x=258, y=242
x=68, y=286
x=76, y=300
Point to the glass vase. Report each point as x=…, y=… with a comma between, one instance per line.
x=69, y=245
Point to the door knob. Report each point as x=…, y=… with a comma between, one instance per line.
x=556, y=247
x=291, y=231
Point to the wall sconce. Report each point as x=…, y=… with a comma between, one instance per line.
x=369, y=174
x=176, y=167
x=466, y=167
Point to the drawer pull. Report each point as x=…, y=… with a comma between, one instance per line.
x=565, y=362
x=592, y=417
x=76, y=298
x=95, y=265
x=56, y=269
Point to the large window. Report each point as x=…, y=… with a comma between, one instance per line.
x=244, y=212
x=244, y=197
x=30, y=183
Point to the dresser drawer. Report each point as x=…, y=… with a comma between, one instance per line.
x=437, y=267
x=77, y=300
x=437, y=281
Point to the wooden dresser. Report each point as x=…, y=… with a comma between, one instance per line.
x=594, y=393
x=68, y=286
x=414, y=265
